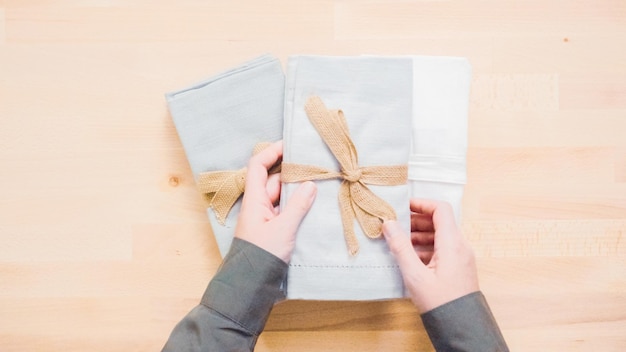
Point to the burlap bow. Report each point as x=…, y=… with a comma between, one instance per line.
x=221, y=189
x=356, y=200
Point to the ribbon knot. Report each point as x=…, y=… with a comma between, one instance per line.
x=356, y=200
x=352, y=175
x=221, y=189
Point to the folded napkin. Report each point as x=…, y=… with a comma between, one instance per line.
x=220, y=120
x=437, y=166
x=376, y=97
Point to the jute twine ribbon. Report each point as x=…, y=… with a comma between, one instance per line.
x=221, y=189
x=356, y=200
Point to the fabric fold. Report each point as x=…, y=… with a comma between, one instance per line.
x=375, y=95
x=220, y=120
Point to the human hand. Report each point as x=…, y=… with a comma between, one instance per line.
x=259, y=220
x=437, y=264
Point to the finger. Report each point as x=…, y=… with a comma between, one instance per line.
x=297, y=207
x=256, y=177
x=423, y=206
x=443, y=218
x=423, y=238
x=421, y=222
x=402, y=249
x=273, y=188
x=270, y=155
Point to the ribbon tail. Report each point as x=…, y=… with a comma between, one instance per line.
x=210, y=182
x=370, y=210
x=222, y=204
x=347, y=218
x=221, y=189
x=370, y=224
x=333, y=128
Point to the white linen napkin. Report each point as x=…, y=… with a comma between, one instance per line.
x=220, y=120
x=437, y=166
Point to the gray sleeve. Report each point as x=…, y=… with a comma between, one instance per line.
x=465, y=324
x=235, y=305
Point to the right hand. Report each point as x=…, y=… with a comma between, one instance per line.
x=441, y=266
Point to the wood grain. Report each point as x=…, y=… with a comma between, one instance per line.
x=105, y=244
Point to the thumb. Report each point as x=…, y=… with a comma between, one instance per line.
x=298, y=206
x=402, y=248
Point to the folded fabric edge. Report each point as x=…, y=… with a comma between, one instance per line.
x=256, y=62
x=460, y=59
x=437, y=168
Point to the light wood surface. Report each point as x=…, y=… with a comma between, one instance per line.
x=104, y=243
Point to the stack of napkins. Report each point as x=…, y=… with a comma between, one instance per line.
x=399, y=110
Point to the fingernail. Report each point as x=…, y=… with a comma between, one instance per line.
x=391, y=228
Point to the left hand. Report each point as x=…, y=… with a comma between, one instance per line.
x=260, y=222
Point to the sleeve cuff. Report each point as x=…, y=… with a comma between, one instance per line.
x=246, y=286
x=465, y=324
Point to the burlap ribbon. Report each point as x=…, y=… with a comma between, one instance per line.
x=221, y=189
x=356, y=200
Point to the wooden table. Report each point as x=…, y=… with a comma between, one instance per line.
x=104, y=241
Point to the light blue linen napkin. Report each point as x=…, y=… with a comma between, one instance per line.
x=220, y=120
x=375, y=95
